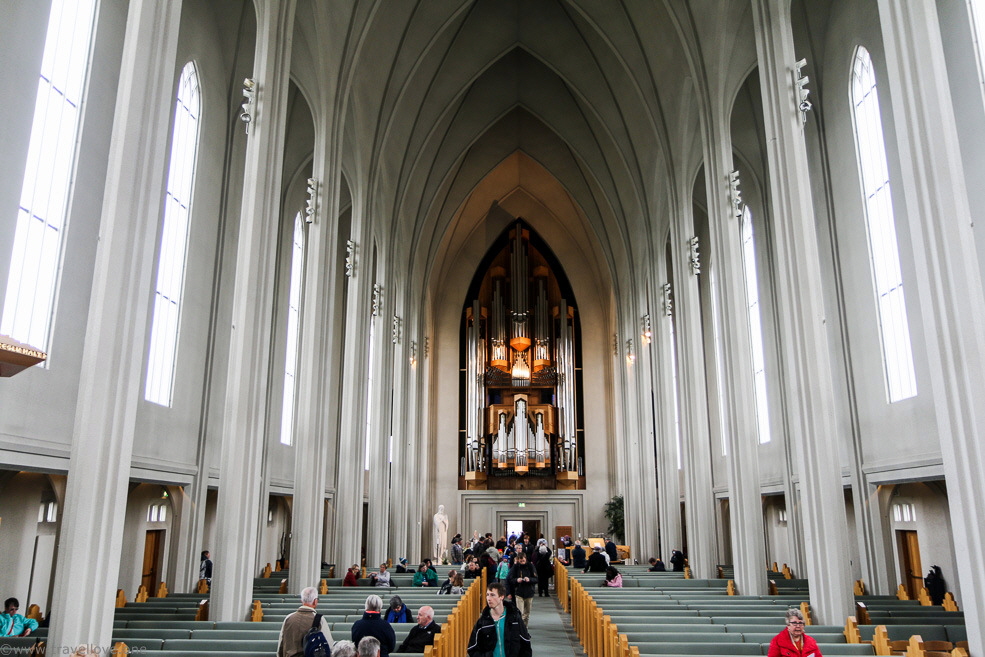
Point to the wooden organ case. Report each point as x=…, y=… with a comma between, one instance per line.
x=521, y=390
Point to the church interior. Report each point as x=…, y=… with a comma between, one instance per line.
x=280, y=277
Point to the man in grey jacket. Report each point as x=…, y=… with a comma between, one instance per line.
x=296, y=626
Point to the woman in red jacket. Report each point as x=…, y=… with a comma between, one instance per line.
x=792, y=642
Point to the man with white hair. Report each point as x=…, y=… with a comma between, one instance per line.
x=296, y=626
x=373, y=624
x=422, y=634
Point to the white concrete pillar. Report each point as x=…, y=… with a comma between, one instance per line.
x=803, y=338
x=110, y=385
x=644, y=457
x=242, y=498
x=319, y=360
x=736, y=375
x=381, y=402
x=352, y=426
x=948, y=276
x=699, y=501
x=668, y=474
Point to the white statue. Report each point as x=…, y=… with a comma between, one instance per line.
x=440, y=532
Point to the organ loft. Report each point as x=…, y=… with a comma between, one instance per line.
x=521, y=372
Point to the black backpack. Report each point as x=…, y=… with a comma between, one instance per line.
x=315, y=644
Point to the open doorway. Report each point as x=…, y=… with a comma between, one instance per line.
x=515, y=527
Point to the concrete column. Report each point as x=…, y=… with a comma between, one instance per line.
x=381, y=401
x=628, y=443
x=352, y=436
x=736, y=375
x=110, y=385
x=401, y=477
x=699, y=499
x=644, y=457
x=668, y=476
x=242, y=496
x=316, y=422
x=415, y=428
x=803, y=338
x=947, y=277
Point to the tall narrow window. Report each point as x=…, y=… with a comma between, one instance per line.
x=755, y=325
x=293, y=334
x=880, y=224
x=29, y=302
x=174, y=241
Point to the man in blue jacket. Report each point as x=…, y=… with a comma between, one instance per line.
x=373, y=624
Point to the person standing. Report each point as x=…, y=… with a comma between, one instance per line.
x=500, y=629
x=520, y=584
x=296, y=626
x=792, y=641
x=677, y=561
x=544, y=567
x=372, y=624
x=597, y=563
x=578, y=556
x=205, y=568
x=457, y=553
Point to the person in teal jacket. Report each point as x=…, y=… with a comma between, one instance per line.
x=12, y=623
x=425, y=576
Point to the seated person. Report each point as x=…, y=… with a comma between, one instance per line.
x=425, y=576
x=398, y=611
x=402, y=565
x=791, y=640
x=431, y=567
x=344, y=648
x=422, y=634
x=381, y=578
x=657, y=566
x=613, y=578
x=446, y=585
x=472, y=569
x=458, y=584
x=351, y=576
x=14, y=624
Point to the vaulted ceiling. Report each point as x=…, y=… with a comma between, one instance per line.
x=431, y=96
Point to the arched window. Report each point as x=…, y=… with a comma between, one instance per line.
x=293, y=333
x=880, y=225
x=174, y=241
x=29, y=302
x=755, y=325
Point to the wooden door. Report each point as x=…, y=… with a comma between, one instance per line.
x=150, y=575
x=532, y=527
x=912, y=575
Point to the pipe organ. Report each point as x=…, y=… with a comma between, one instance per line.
x=521, y=390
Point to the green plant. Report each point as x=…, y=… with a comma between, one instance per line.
x=615, y=513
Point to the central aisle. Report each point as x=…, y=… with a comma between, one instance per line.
x=550, y=630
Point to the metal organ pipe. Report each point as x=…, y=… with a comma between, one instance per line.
x=472, y=392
